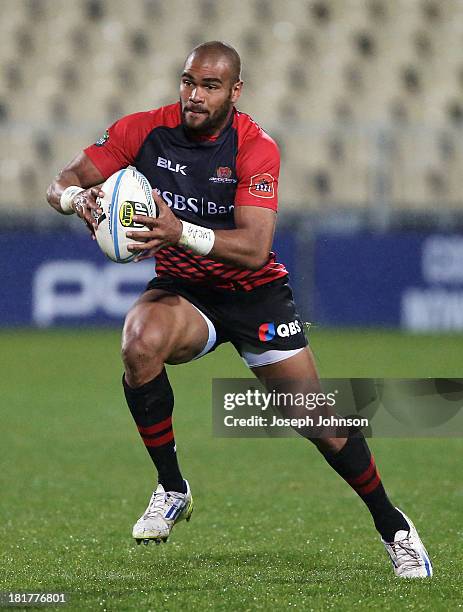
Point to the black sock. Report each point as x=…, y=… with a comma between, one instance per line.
x=151, y=406
x=355, y=463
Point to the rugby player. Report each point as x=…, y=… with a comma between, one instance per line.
x=215, y=176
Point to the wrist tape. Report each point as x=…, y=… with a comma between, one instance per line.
x=67, y=197
x=198, y=239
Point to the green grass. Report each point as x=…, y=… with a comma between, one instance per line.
x=274, y=528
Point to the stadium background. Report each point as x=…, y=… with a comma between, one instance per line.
x=365, y=98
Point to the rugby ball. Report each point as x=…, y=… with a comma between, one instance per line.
x=126, y=193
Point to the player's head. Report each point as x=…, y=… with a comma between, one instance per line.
x=209, y=87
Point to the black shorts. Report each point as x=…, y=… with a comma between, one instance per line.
x=260, y=323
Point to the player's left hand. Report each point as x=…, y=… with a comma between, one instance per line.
x=165, y=230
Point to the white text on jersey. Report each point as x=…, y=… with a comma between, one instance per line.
x=166, y=163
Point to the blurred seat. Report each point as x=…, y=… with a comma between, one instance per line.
x=19, y=172
x=418, y=169
x=326, y=76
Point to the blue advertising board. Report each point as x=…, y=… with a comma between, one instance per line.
x=408, y=280
x=62, y=278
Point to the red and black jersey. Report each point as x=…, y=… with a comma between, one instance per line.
x=201, y=180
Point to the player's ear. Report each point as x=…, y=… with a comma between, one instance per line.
x=236, y=91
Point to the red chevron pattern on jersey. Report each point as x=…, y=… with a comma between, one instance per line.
x=177, y=262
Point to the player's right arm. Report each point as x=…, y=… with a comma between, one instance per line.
x=115, y=150
x=80, y=172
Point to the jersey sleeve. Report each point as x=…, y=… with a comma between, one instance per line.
x=258, y=169
x=119, y=145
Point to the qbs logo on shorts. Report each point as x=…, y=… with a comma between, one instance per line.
x=268, y=331
x=128, y=210
x=261, y=185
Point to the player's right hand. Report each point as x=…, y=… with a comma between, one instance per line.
x=87, y=208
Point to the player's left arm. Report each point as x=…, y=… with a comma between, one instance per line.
x=256, y=202
x=247, y=246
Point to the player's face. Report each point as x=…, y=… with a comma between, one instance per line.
x=207, y=94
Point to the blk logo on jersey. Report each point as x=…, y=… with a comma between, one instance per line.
x=261, y=185
x=169, y=165
x=268, y=331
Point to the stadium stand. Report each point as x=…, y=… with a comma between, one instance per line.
x=353, y=90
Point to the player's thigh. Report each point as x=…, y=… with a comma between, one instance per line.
x=298, y=374
x=297, y=367
x=166, y=325
x=295, y=376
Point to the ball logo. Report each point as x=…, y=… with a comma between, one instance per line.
x=266, y=332
x=128, y=209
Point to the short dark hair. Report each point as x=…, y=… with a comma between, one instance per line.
x=219, y=49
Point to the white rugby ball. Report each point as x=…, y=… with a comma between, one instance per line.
x=126, y=193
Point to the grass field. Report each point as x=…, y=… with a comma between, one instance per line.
x=274, y=528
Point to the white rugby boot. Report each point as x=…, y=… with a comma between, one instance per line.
x=165, y=509
x=408, y=554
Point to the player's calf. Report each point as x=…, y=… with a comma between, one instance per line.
x=159, y=327
x=356, y=465
x=151, y=406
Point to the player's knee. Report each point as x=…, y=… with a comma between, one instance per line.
x=328, y=445
x=143, y=352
